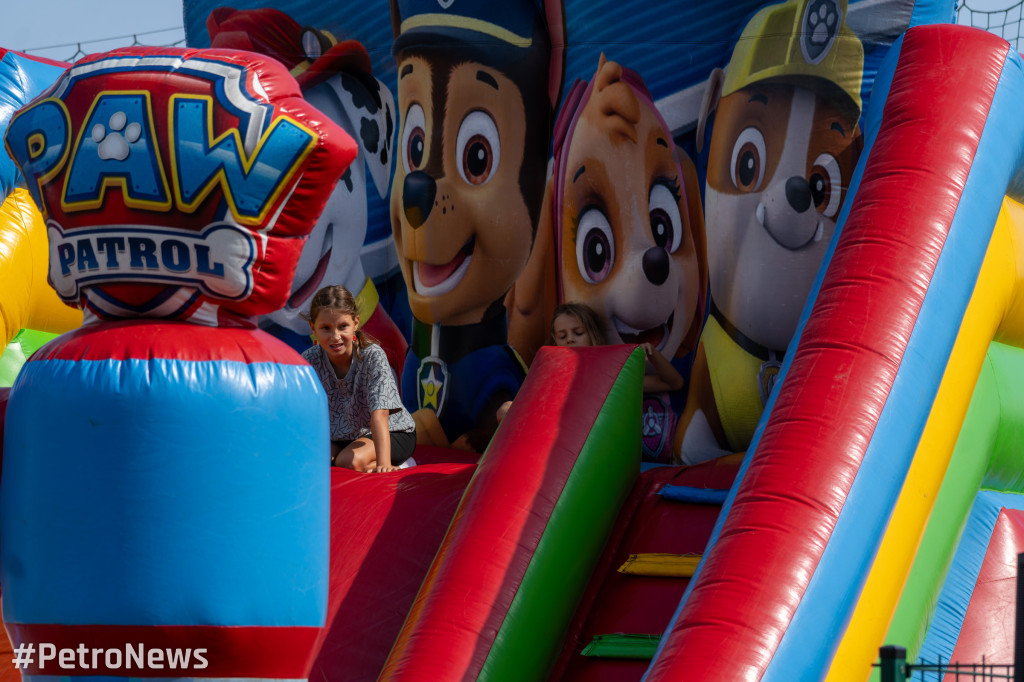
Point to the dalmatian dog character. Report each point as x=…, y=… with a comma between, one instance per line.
x=477, y=85
x=627, y=228
x=783, y=147
x=337, y=78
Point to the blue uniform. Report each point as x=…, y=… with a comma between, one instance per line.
x=457, y=370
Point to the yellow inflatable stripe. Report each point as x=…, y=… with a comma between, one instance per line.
x=1011, y=331
x=999, y=283
x=661, y=565
x=27, y=301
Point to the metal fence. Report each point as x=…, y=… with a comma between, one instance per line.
x=893, y=667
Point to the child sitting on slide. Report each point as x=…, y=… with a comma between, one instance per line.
x=370, y=429
x=576, y=324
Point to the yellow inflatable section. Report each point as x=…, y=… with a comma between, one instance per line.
x=27, y=301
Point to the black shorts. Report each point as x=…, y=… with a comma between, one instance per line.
x=402, y=445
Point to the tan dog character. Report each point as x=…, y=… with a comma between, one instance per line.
x=783, y=148
x=629, y=230
x=625, y=228
x=476, y=96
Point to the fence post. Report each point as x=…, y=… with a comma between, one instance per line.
x=1018, y=625
x=893, y=667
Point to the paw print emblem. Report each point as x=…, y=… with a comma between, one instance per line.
x=819, y=29
x=115, y=138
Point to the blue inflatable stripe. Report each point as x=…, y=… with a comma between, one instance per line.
x=835, y=587
x=692, y=495
x=216, y=471
x=956, y=593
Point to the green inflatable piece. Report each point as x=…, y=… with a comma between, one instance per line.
x=618, y=645
x=986, y=456
x=22, y=346
x=530, y=638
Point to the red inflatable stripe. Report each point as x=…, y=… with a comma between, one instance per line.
x=144, y=340
x=503, y=515
x=815, y=440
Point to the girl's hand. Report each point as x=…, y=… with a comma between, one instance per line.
x=384, y=470
x=661, y=376
x=462, y=443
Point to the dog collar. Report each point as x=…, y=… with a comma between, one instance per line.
x=453, y=342
x=744, y=341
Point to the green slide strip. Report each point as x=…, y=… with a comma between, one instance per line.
x=622, y=646
x=530, y=638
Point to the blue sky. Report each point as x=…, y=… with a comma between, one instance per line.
x=53, y=28
x=30, y=25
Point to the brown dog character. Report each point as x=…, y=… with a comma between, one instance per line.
x=783, y=148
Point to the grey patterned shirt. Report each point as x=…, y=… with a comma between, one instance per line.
x=369, y=385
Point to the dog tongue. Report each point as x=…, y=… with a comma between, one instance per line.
x=652, y=336
x=311, y=284
x=432, y=275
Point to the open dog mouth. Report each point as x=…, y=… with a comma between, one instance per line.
x=302, y=293
x=434, y=280
x=656, y=336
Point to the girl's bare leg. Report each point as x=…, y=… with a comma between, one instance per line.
x=359, y=455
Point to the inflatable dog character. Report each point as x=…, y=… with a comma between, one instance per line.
x=783, y=147
x=625, y=226
x=337, y=78
x=477, y=86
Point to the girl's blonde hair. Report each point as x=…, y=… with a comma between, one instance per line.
x=339, y=298
x=587, y=317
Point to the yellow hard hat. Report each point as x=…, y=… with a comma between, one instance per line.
x=798, y=40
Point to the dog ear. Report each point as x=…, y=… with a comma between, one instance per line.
x=396, y=19
x=857, y=144
x=554, y=14
x=380, y=119
x=712, y=93
x=533, y=297
x=694, y=212
x=617, y=101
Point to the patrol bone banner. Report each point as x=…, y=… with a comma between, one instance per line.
x=678, y=167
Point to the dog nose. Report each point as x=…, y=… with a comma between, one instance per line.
x=798, y=193
x=655, y=263
x=418, y=197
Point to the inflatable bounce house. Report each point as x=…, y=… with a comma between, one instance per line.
x=797, y=436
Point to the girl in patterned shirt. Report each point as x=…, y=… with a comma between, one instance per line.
x=370, y=429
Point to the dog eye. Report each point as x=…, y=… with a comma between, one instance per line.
x=414, y=138
x=477, y=148
x=826, y=185
x=595, y=246
x=666, y=222
x=748, y=160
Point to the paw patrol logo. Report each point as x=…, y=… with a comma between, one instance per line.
x=767, y=375
x=432, y=384
x=159, y=168
x=657, y=427
x=209, y=140
x=819, y=28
